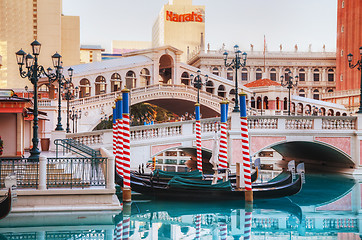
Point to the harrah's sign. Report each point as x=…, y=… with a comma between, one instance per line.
x=187, y=17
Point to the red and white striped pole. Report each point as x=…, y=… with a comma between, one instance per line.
x=126, y=226
x=126, y=148
x=118, y=231
x=247, y=222
x=119, y=138
x=223, y=150
x=198, y=137
x=223, y=231
x=245, y=148
x=198, y=226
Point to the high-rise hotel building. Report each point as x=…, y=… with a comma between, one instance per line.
x=22, y=21
x=181, y=25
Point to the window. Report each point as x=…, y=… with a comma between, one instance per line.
x=116, y=82
x=301, y=75
x=342, y=53
x=273, y=74
x=330, y=90
x=342, y=28
x=215, y=71
x=316, y=94
x=258, y=74
x=130, y=79
x=100, y=85
x=210, y=87
x=229, y=74
x=342, y=4
x=145, y=77
x=316, y=75
x=244, y=74
x=185, y=78
x=221, y=91
x=330, y=75
x=301, y=93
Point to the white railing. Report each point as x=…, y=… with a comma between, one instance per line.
x=156, y=131
x=45, y=103
x=339, y=123
x=186, y=128
x=88, y=138
x=259, y=122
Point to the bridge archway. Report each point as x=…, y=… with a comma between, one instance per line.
x=316, y=155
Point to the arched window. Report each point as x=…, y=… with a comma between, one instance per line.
x=185, y=78
x=301, y=75
x=232, y=94
x=316, y=75
x=130, y=80
x=100, y=85
x=273, y=74
x=285, y=104
x=258, y=103
x=323, y=111
x=277, y=100
x=330, y=75
x=258, y=74
x=145, y=77
x=287, y=74
x=215, y=71
x=300, y=108
x=244, y=74
x=230, y=74
x=44, y=91
x=84, y=88
x=316, y=94
x=210, y=87
x=221, y=91
x=116, y=82
x=266, y=103
x=301, y=93
x=252, y=102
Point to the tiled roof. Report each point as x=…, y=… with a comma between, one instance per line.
x=262, y=83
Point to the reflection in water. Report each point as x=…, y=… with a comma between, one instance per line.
x=315, y=213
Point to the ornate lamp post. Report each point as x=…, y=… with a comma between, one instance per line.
x=58, y=75
x=197, y=81
x=289, y=84
x=69, y=94
x=359, y=67
x=236, y=63
x=26, y=89
x=33, y=72
x=75, y=115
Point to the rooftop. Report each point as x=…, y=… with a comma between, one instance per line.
x=262, y=83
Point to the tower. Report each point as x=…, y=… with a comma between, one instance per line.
x=349, y=40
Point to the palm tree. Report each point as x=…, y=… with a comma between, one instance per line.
x=142, y=112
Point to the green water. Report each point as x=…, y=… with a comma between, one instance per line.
x=327, y=208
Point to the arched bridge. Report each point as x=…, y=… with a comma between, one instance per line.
x=323, y=140
x=175, y=98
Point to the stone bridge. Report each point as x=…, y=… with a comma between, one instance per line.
x=324, y=140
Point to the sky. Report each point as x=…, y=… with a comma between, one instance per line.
x=242, y=22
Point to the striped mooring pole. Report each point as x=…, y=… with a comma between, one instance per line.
x=126, y=148
x=223, y=150
x=245, y=148
x=119, y=142
x=198, y=137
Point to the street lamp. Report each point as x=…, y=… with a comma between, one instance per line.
x=33, y=71
x=359, y=67
x=197, y=81
x=57, y=76
x=69, y=93
x=289, y=84
x=236, y=63
x=75, y=115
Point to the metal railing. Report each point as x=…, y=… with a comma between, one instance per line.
x=27, y=172
x=76, y=147
x=76, y=172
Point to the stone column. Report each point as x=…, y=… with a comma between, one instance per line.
x=42, y=173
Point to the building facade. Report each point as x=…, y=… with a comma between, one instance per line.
x=315, y=70
x=25, y=20
x=90, y=53
x=181, y=25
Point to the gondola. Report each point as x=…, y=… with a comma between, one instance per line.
x=283, y=179
x=184, y=189
x=5, y=205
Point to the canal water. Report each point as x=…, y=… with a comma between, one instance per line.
x=328, y=207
